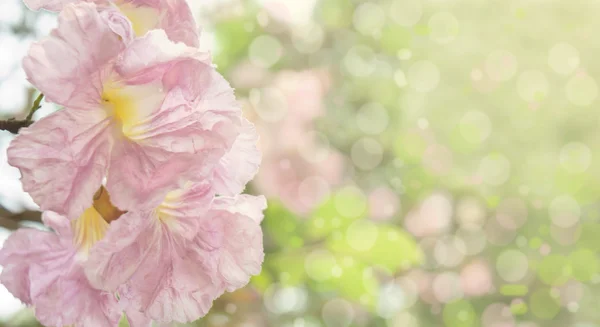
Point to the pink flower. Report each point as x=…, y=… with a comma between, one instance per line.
x=230, y=240
x=44, y=269
x=173, y=16
x=146, y=115
x=171, y=261
x=298, y=168
x=240, y=164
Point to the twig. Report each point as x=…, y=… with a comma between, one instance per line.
x=13, y=221
x=36, y=105
x=14, y=125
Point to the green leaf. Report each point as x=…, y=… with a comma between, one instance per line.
x=288, y=267
x=348, y=278
x=385, y=246
x=584, y=264
x=339, y=211
x=282, y=226
x=460, y=314
x=233, y=37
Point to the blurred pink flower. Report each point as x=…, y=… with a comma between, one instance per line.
x=298, y=167
x=383, y=203
x=432, y=217
x=476, y=279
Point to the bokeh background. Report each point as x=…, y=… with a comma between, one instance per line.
x=427, y=162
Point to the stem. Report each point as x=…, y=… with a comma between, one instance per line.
x=13, y=125
x=36, y=105
x=12, y=221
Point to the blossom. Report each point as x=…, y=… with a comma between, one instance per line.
x=172, y=259
x=148, y=120
x=45, y=269
x=172, y=16
x=297, y=167
x=144, y=113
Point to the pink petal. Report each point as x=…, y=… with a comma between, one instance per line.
x=41, y=269
x=58, y=5
x=114, y=259
x=231, y=241
x=174, y=16
x=63, y=159
x=149, y=257
x=71, y=300
x=174, y=288
x=134, y=316
x=183, y=209
x=23, y=248
x=140, y=177
x=179, y=138
x=246, y=205
x=60, y=224
x=118, y=23
x=240, y=164
x=131, y=240
x=66, y=65
x=154, y=53
x=176, y=19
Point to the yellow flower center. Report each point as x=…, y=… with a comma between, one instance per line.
x=91, y=226
x=131, y=104
x=142, y=18
x=165, y=211
x=120, y=105
x=88, y=229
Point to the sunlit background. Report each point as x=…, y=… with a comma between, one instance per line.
x=427, y=162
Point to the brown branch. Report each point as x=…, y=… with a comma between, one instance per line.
x=13, y=125
x=12, y=221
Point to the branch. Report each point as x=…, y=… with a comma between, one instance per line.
x=13, y=125
x=13, y=221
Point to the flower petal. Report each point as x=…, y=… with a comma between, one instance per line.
x=172, y=16
x=113, y=260
x=182, y=210
x=60, y=224
x=23, y=248
x=140, y=177
x=66, y=65
x=230, y=240
x=41, y=269
x=151, y=55
x=240, y=164
x=143, y=254
x=63, y=159
x=58, y=5
x=179, y=23
x=174, y=288
x=118, y=23
x=134, y=316
x=71, y=300
x=179, y=138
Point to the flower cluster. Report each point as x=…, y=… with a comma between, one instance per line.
x=139, y=175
